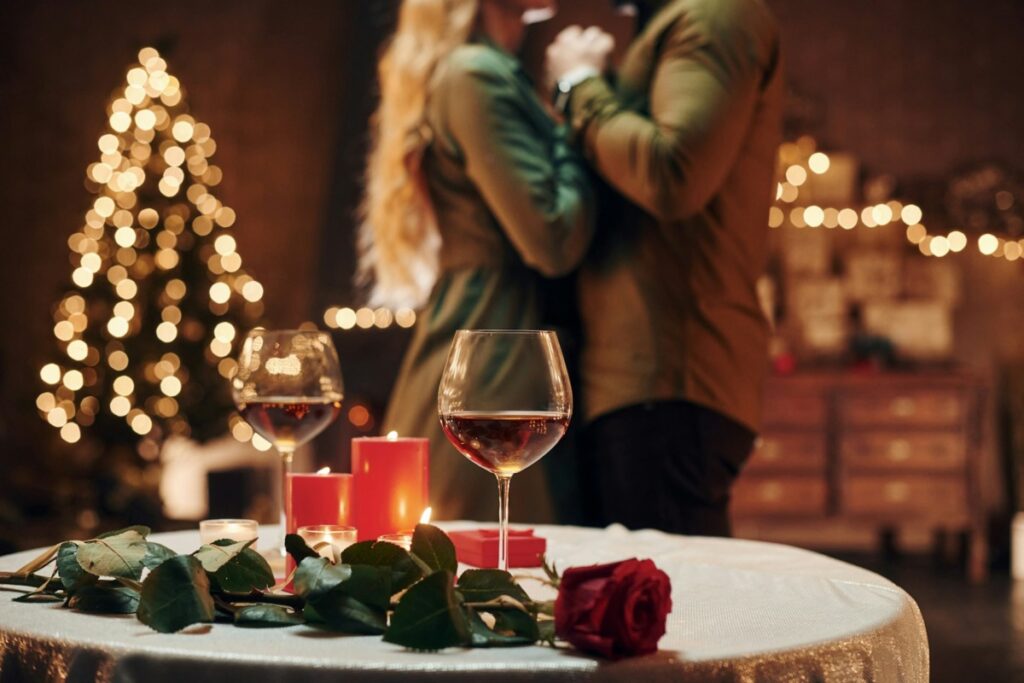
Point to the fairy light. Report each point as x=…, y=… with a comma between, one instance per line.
x=128, y=257
x=347, y=318
x=987, y=244
x=818, y=163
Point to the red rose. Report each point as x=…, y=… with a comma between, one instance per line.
x=614, y=610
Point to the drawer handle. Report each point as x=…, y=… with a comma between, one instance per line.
x=899, y=450
x=903, y=406
x=896, y=492
x=770, y=492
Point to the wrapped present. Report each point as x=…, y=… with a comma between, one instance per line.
x=479, y=547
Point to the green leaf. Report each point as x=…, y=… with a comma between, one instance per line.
x=38, y=596
x=219, y=553
x=176, y=595
x=434, y=548
x=296, y=546
x=483, y=585
x=105, y=600
x=156, y=554
x=515, y=624
x=349, y=598
x=316, y=575
x=483, y=636
x=119, y=554
x=246, y=572
x=266, y=616
x=429, y=616
x=404, y=571
x=71, y=573
x=342, y=612
x=140, y=529
x=311, y=615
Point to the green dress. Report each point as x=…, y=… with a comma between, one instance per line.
x=513, y=207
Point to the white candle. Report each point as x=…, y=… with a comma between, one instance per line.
x=328, y=539
x=211, y=530
x=403, y=540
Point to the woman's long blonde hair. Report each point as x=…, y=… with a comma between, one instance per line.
x=398, y=236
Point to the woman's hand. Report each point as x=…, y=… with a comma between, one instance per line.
x=577, y=49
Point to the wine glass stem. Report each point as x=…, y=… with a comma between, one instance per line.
x=286, y=467
x=503, y=484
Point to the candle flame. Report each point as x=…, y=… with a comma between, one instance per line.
x=425, y=517
x=324, y=470
x=392, y=436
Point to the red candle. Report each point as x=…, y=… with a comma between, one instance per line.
x=318, y=498
x=390, y=484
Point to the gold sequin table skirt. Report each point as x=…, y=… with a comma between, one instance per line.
x=744, y=611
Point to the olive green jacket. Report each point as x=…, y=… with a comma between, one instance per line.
x=688, y=137
x=513, y=204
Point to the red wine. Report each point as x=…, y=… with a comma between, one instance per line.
x=505, y=442
x=290, y=422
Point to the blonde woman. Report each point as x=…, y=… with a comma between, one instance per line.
x=472, y=200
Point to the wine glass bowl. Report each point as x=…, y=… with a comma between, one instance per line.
x=289, y=388
x=504, y=401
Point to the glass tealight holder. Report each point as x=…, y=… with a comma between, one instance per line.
x=211, y=530
x=402, y=540
x=329, y=540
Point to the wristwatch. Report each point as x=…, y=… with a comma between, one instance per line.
x=565, y=84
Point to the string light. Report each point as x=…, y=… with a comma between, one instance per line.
x=134, y=240
x=799, y=159
x=347, y=318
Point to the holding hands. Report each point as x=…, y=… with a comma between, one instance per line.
x=578, y=51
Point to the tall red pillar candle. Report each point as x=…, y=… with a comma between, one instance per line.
x=316, y=499
x=319, y=498
x=390, y=484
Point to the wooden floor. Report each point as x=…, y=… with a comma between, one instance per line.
x=975, y=632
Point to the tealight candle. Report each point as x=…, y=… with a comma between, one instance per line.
x=211, y=530
x=328, y=539
x=403, y=540
x=389, y=484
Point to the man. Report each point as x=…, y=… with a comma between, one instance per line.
x=675, y=342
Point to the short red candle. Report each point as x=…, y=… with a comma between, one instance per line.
x=318, y=499
x=390, y=484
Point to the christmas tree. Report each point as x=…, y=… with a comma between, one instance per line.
x=158, y=301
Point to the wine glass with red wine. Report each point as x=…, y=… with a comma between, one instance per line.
x=289, y=389
x=504, y=402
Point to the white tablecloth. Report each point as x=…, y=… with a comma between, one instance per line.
x=743, y=611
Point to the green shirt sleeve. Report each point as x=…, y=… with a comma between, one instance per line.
x=701, y=99
x=533, y=182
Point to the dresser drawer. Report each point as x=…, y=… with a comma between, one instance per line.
x=931, y=497
x=918, y=407
x=788, y=452
x=796, y=495
x=928, y=451
x=794, y=408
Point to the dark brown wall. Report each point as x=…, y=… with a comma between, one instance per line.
x=914, y=87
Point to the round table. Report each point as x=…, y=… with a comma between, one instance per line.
x=743, y=611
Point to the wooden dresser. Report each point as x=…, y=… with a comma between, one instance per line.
x=883, y=453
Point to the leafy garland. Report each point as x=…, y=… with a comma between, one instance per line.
x=411, y=598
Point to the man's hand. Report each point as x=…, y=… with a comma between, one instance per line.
x=575, y=48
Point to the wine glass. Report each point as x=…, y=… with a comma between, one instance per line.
x=289, y=389
x=504, y=402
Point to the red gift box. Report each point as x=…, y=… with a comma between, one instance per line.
x=479, y=547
